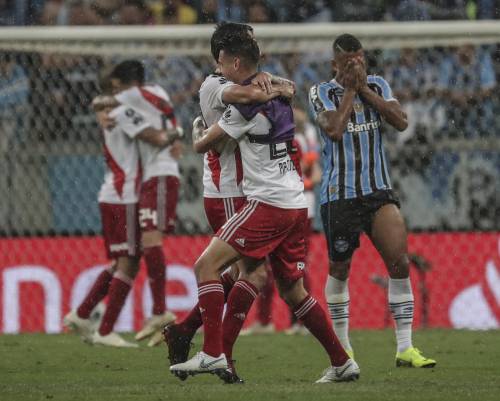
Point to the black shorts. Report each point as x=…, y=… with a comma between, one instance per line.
x=345, y=219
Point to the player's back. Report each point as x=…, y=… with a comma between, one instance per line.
x=153, y=104
x=265, y=133
x=122, y=160
x=222, y=172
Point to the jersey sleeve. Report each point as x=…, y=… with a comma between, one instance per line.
x=319, y=100
x=234, y=124
x=213, y=90
x=129, y=120
x=385, y=87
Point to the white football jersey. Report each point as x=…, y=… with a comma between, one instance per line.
x=222, y=173
x=270, y=175
x=153, y=104
x=122, y=177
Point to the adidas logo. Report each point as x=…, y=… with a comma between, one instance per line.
x=240, y=316
x=240, y=241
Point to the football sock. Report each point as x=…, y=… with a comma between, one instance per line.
x=337, y=298
x=239, y=303
x=315, y=319
x=401, y=304
x=211, y=304
x=96, y=294
x=193, y=321
x=118, y=290
x=265, y=302
x=155, y=263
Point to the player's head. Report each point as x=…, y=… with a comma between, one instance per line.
x=225, y=31
x=126, y=74
x=239, y=58
x=346, y=47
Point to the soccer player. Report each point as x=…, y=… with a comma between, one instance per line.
x=356, y=192
x=118, y=199
x=223, y=197
x=160, y=182
x=272, y=221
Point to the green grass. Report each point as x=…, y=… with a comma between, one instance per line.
x=60, y=367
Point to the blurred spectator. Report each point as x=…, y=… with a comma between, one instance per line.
x=134, y=12
x=423, y=10
x=14, y=93
x=71, y=12
x=258, y=12
x=358, y=10
x=308, y=11
x=178, y=12
x=466, y=81
x=413, y=77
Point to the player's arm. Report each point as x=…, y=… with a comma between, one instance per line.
x=334, y=122
x=254, y=94
x=210, y=138
x=159, y=138
x=388, y=107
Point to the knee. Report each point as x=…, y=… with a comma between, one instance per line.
x=151, y=239
x=340, y=270
x=128, y=266
x=292, y=293
x=258, y=277
x=400, y=268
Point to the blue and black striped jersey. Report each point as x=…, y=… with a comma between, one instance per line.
x=356, y=165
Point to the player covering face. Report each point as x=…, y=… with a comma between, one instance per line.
x=356, y=192
x=271, y=223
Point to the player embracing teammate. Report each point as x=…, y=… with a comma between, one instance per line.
x=137, y=200
x=271, y=222
x=356, y=192
x=223, y=197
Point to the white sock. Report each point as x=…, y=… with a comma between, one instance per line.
x=401, y=304
x=337, y=297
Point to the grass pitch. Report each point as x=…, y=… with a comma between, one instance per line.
x=276, y=367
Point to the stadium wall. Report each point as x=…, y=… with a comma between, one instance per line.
x=42, y=278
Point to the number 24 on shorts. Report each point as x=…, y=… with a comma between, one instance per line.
x=148, y=214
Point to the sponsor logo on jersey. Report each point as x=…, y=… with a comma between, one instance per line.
x=301, y=265
x=240, y=242
x=358, y=107
x=341, y=245
x=369, y=126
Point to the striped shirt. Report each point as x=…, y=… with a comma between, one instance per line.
x=356, y=165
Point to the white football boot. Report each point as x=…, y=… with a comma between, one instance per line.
x=112, y=340
x=349, y=371
x=201, y=363
x=156, y=339
x=84, y=327
x=155, y=323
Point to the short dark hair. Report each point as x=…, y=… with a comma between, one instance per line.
x=129, y=71
x=225, y=31
x=346, y=43
x=247, y=49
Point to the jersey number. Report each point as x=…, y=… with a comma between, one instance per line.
x=134, y=116
x=147, y=214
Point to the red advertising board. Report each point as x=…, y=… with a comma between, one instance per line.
x=42, y=278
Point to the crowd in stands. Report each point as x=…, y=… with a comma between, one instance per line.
x=138, y=12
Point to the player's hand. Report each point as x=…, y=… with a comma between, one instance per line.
x=361, y=77
x=198, y=128
x=287, y=89
x=176, y=149
x=263, y=80
x=350, y=76
x=101, y=102
x=104, y=120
